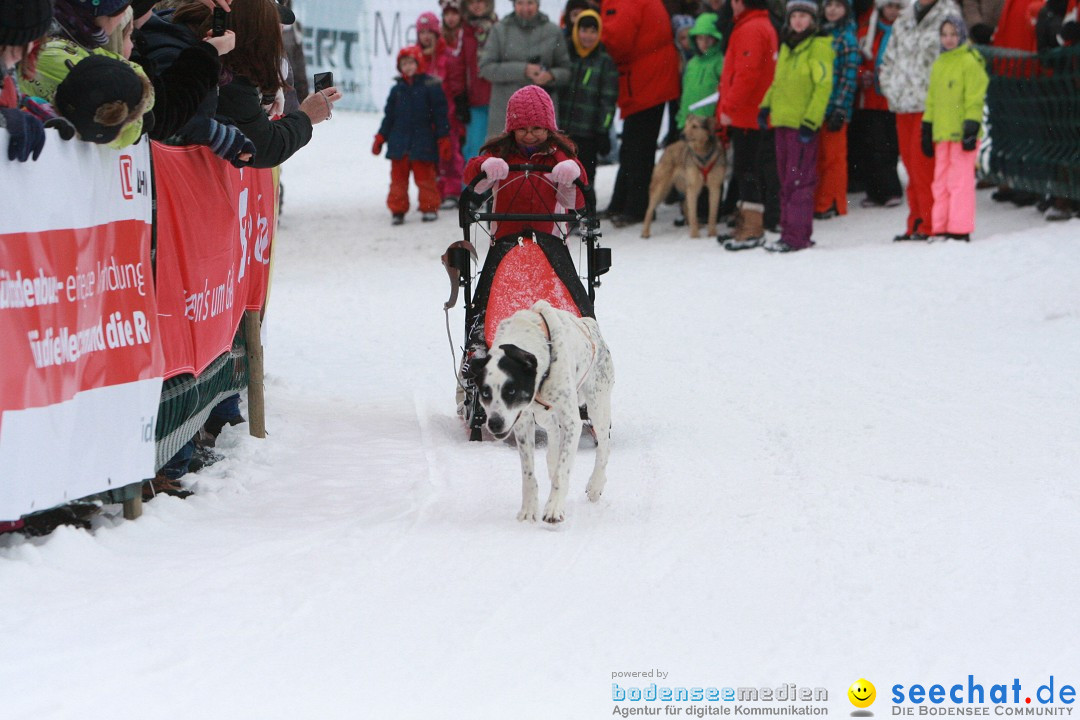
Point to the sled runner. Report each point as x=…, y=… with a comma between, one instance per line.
x=521, y=266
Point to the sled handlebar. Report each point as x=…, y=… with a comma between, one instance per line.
x=470, y=198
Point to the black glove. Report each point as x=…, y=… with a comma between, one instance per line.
x=763, y=118
x=928, y=140
x=806, y=133
x=1070, y=32
x=461, y=109
x=603, y=145
x=228, y=143
x=27, y=134
x=970, y=135
x=62, y=126
x=981, y=33
x=836, y=120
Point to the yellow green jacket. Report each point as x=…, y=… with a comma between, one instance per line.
x=957, y=91
x=52, y=68
x=802, y=84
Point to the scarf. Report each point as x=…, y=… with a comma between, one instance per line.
x=792, y=38
x=78, y=24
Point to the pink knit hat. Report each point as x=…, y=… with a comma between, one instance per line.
x=428, y=21
x=530, y=106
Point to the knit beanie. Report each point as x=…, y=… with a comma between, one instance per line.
x=99, y=97
x=411, y=51
x=102, y=7
x=22, y=21
x=530, y=106
x=961, y=28
x=428, y=21
x=806, y=6
x=679, y=22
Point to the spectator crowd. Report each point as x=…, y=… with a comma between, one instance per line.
x=183, y=72
x=812, y=100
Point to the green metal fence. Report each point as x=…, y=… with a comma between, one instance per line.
x=1033, y=107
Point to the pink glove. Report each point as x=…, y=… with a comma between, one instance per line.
x=496, y=169
x=565, y=172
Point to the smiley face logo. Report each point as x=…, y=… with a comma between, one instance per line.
x=862, y=693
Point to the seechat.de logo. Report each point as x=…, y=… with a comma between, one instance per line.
x=862, y=694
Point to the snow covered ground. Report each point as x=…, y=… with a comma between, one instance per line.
x=858, y=461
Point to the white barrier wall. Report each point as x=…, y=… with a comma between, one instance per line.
x=358, y=40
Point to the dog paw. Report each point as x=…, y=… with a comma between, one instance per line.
x=553, y=514
x=695, y=234
x=528, y=511
x=645, y=234
x=595, y=488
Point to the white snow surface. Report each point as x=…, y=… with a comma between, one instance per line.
x=858, y=461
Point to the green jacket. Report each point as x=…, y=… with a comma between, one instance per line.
x=587, y=103
x=958, y=83
x=802, y=84
x=702, y=75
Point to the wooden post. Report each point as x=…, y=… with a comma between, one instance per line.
x=133, y=505
x=256, y=402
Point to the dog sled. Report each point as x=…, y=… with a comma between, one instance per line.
x=521, y=267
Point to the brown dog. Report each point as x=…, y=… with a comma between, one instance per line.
x=696, y=162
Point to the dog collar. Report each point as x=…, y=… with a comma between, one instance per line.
x=539, y=385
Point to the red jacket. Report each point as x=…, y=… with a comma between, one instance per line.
x=870, y=97
x=749, y=64
x=518, y=194
x=1016, y=28
x=479, y=88
x=637, y=35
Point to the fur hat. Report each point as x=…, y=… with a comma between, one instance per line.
x=101, y=95
x=22, y=21
x=882, y=3
x=807, y=6
x=97, y=8
x=530, y=106
x=428, y=21
x=410, y=51
x=450, y=5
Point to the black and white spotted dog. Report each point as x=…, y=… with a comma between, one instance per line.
x=544, y=365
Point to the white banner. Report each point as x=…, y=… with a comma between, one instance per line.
x=358, y=40
x=81, y=376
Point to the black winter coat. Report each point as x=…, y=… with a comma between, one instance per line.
x=416, y=116
x=181, y=87
x=240, y=103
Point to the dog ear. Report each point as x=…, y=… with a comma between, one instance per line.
x=474, y=367
x=710, y=123
x=522, y=356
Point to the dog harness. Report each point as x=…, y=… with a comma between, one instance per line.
x=588, y=368
x=704, y=166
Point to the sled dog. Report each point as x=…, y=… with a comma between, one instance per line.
x=544, y=367
x=693, y=164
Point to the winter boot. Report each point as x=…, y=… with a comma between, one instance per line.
x=750, y=233
x=429, y=217
x=735, y=224
x=398, y=219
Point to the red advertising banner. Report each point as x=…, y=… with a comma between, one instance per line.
x=80, y=357
x=215, y=224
